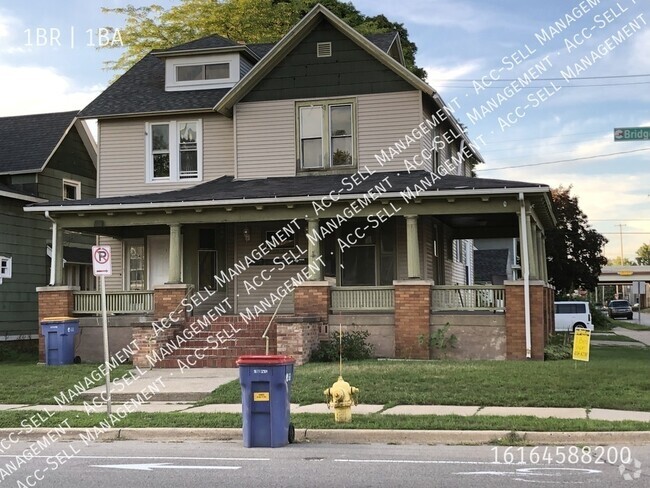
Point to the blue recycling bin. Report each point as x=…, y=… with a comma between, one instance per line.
x=265, y=393
x=59, y=334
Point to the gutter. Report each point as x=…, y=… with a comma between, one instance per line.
x=526, y=262
x=278, y=200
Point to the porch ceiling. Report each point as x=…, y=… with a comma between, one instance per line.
x=482, y=226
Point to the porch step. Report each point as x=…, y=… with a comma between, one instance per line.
x=221, y=343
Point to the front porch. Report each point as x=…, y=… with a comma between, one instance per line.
x=406, y=263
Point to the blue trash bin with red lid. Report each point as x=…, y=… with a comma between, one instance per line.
x=265, y=394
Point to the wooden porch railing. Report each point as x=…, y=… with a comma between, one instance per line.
x=468, y=297
x=363, y=299
x=89, y=302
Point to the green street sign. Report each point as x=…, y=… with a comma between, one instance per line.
x=632, y=134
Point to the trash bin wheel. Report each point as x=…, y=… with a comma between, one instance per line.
x=292, y=433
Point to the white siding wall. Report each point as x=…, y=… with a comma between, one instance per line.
x=384, y=119
x=266, y=144
x=115, y=282
x=122, y=155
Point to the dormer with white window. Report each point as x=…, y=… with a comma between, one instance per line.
x=209, y=63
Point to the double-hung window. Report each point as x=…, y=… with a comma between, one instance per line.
x=174, y=151
x=326, y=134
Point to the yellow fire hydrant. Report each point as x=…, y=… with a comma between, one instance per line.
x=341, y=396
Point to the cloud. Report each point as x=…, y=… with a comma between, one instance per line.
x=36, y=89
x=441, y=74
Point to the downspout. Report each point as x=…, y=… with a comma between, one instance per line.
x=526, y=274
x=54, y=256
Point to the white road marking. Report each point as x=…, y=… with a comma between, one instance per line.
x=152, y=466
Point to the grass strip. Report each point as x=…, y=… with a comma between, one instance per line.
x=13, y=419
x=632, y=326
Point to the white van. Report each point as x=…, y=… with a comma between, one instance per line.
x=570, y=316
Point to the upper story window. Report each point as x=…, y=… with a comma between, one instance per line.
x=174, y=151
x=71, y=190
x=5, y=268
x=201, y=72
x=326, y=134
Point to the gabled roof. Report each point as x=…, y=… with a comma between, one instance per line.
x=28, y=141
x=293, y=38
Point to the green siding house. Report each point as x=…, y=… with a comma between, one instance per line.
x=43, y=157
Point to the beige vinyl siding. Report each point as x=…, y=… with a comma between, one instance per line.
x=383, y=120
x=122, y=159
x=266, y=139
x=114, y=282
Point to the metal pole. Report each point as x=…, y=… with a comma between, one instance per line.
x=105, y=333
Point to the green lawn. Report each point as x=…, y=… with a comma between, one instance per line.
x=13, y=419
x=614, y=378
x=24, y=381
x=611, y=337
x=630, y=325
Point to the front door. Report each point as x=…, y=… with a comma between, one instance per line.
x=158, y=252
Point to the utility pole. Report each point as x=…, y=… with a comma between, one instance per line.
x=620, y=228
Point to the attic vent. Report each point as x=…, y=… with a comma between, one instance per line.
x=324, y=49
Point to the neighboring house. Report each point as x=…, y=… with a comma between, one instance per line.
x=210, y=148
x=42, y=157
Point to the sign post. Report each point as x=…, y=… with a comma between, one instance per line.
x=581, y=342
x=102, y=267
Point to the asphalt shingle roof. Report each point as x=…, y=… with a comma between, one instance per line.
x=227, y=188
x=141, y=89
x=26, y=141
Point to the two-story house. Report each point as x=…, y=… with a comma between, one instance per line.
x=316, y=176
x=42, y=157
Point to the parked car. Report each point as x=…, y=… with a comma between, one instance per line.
x=570, y=316
x=620, y=308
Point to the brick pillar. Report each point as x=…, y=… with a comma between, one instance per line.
x=167, y=299
x=297, y=337
x=312, y=298
x=412, y=316
x=540, y=307
x=53, y=301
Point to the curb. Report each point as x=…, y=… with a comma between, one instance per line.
x=356, y=436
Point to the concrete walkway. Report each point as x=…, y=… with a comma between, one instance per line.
x=642, y=336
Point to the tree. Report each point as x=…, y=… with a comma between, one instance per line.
x=643, y=255
x=618, y=262
x=249, y=21
x=574, y=250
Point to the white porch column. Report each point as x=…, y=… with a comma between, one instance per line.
x=174, y=253
x=57, y=254
x=412, y=246
x=313, y=252
x=532, y=248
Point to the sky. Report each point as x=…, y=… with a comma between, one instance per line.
x=541, y=86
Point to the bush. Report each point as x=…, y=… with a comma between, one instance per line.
x=558, y=347
x=354, y=347
x=600, y=319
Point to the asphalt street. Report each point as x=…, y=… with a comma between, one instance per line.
x=216, y=464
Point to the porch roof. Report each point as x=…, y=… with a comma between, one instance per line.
x=227, y=191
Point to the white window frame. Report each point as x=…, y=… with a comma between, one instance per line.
x=74, y=184
x=326, y=136
x=5, y=268
x=171, y=84
x=174, y=149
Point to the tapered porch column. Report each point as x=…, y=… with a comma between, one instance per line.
x=412, y=246
x=544, y=267
x=313, y=252
x=532, y=251
x=174, y=253
x=56, y=263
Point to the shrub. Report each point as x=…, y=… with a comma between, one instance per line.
x=558, y=347
x=354, y=347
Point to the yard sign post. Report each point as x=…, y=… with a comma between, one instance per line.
x=102, y=267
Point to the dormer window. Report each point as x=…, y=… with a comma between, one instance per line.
x=201, y=72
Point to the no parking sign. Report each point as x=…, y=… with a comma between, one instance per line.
x=102, y=261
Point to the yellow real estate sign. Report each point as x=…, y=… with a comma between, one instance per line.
x=581, y=339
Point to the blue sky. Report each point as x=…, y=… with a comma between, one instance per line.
x=458, y=40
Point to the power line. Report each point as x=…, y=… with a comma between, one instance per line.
x=554, y=79
x=536, y=87
x=565, y=160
